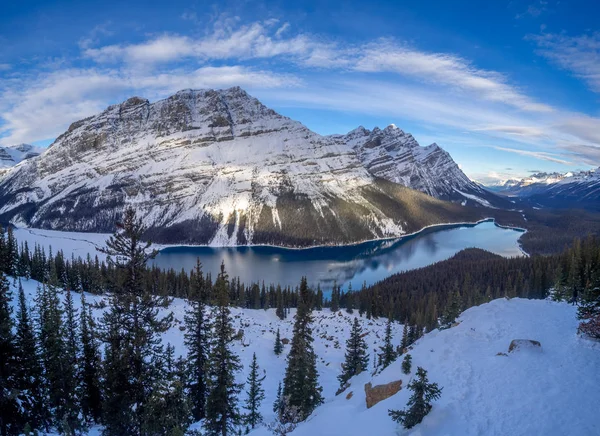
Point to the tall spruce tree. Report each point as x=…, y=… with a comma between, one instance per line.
x=29, y=374
x=280, y=310
x=278, y=348
x=131, y=330
x=387, y=353
x=278, y=401
x=167, y=412
x=9, y=406
x=90, y=368
x=255, y=395
x=222, y=414
x=407, y=364
x=404, y=344
x=419, y=403
x=197, y=341
x=301, y=388
x=453, y=310
x=71, y=421
x=335, y=298
x=357, y=358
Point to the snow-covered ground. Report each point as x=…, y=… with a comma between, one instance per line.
x=552, y=391
x=78, y=244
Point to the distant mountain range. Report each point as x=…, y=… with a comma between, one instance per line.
x=569, y=190
x=12, y=155
x=218, y=167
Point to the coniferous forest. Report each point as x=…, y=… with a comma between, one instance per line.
x=63, y=369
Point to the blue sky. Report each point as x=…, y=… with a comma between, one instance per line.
x=507, y=87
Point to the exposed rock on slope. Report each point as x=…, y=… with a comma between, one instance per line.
x=219, y=167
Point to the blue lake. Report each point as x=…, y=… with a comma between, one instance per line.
x=366, y=262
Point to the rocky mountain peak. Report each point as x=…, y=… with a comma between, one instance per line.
x=224, y=169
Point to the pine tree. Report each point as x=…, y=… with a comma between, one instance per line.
x=335, y=298
x=255, y=395
x=29, y=375
x=453, y=310
x=71, y=419
x=319, y=298
x=91, y=394
x=167, y=411
x=407, y=364
x=280, y=311
x=9, y=407
x=419, y=403
x=197, y=341
x=404, y=344
x=278, y=400
x=222, y=415
x=301, y=388
x=349, y=300
x=278, y=348
x=356, y=359
x=387, y=354
x=131, y=330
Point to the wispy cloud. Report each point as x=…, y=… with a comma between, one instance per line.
x=534, y=9
x=579, y=55
x=264, y=40
x=536, y=154
x=45, y=109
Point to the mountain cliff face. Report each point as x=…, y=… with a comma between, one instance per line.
x=219, y=167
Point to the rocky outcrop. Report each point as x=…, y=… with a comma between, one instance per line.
x=379, y=393
x=519, y=344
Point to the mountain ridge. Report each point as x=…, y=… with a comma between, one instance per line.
x=219, y=167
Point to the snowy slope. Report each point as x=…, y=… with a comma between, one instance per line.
x=219, y=167
x=551, y=392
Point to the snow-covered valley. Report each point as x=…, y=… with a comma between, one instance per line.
x=486, y=390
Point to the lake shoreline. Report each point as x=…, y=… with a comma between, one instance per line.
x=407, y=236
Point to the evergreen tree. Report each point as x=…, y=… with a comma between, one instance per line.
x=419, y=403
x=29, y=375
x=319, y=298
x=197, y=341
x=387, y=354
x=131, y=330
x=71, y=420
x=404, y=344
x=301, y=388
x=278, y=349
x=356, y=359
x=167, y=412
x=255, y=395
x=453, y=310
x=91, y=394
x=335, y=298
x=222, y=415
x=280, y=311
x=9, y=406
x=278, y=400
x=407, y=364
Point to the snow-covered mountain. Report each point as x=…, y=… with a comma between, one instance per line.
x=219, y=167
x=580, y=189
x=13, y=154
